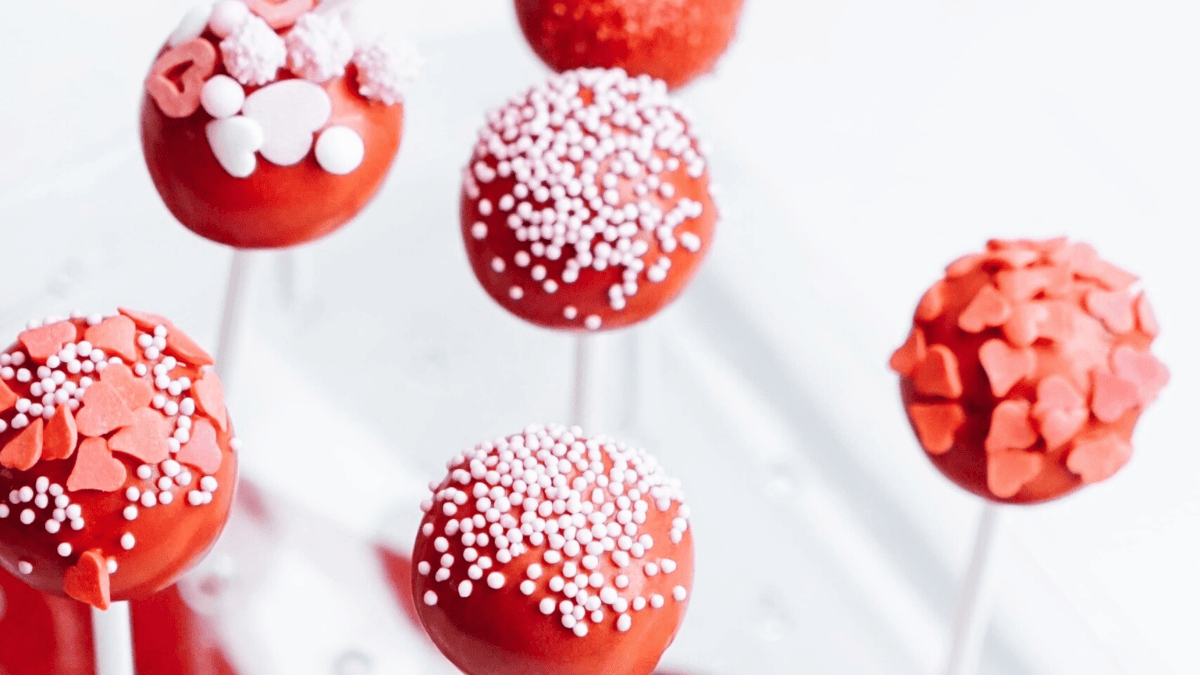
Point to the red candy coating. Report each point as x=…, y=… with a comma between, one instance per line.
x=113, y=481
x=1027, y=369
x=586, y=204
x=523, y=568
x=673, y=40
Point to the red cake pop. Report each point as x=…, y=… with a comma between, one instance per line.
x=117, y=466
x=49, y=635
x=1027, y=369
x=264, y=125
x=674, y=40
x=550, y=553
x=586, y=204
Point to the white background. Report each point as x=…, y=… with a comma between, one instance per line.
x=860, y=145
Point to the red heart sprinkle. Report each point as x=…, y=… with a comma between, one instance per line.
x=1112, y=396
x=964, y=265
x=7, y=398
x=988, y=308
x=61, y=435
x=87, y=581
x=1142, y=369
x=280, y=14
x=1005, y=365
x=47, y=341
x=22, y=452
x=135, y=391
x=910, y=355
x=145, y=321
x=1095, y=459
x=1010, y=428
x=199, y=57
x=96, y=468
x=1145, y=316
x=202, y=451
x=1013, y=257
x=1022, y=327
x=1009, y=470
x=1059, y=410
x=146, y=438
x=210, y=398
x=936, y=425
x=938, y=374
x=933, y=303
x=114, y=335
x=103, y=410
x=1114, y=308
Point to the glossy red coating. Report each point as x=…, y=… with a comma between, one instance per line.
x=673, y=40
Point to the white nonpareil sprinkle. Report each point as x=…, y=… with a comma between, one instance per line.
x=127, y=541
x=430, y=598
x=568, y=495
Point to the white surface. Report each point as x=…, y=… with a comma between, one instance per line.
x=861, y=145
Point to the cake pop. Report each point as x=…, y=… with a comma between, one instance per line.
x=49, y=635
x=586, y=205
x=553, y=553
x=674, y=40
x=265, y=125
x=117, y=460
x=1027, y=368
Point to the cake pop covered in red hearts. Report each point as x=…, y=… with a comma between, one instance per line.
x=266, y=124
x=674, y=40
x=553, y=553
x=1027, y=368
x=117, y=461
x=586, y=204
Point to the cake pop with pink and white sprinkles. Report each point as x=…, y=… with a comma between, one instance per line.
x=587, y=203
x=117, y=457
x=550, y=552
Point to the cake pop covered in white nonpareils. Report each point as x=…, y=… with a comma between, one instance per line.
x=553, y=553
x=586, y=204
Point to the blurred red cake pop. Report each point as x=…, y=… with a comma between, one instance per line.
x=587, y=203
x=117, y=461
x=1027, y=368
x=49, y=635
x=673, y=40
x=552, y=553
x=265, y=125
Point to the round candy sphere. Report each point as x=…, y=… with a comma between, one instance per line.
x=117, y=467
x=264, y=125
x=673, y=40
x=1027, y=368
x=586, y=204
x=553, y=553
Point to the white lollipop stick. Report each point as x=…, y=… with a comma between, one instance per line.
x=297, y=277
x=113, y=639
x=975, y=597
x=580, y=399
x=232, y=314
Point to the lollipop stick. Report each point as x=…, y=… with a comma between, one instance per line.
x=113, y=640
x=580, y=400
x=231, y=314
x=974, y=606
